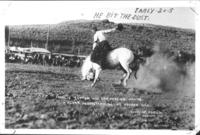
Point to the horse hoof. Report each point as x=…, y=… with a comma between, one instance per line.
x=82, y=79
x=124, y=84
x=92, y=85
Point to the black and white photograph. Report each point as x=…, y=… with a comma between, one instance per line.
x=104, y=65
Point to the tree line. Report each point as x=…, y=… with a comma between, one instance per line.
x=76, y=37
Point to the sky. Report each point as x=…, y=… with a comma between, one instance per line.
x=51, y=12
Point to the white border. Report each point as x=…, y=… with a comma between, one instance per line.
x=105, y=4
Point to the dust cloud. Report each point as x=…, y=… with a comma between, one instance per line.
x=161, y=74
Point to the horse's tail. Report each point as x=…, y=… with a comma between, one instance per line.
x=86, y=66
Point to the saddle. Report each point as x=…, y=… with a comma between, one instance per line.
x=100, y=53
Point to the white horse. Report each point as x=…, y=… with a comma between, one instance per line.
x=119, y=56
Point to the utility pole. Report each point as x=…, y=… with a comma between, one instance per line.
x=46, y=45
x=31, y=44
x=78, y=51
x=8, y=36
x=8, y=39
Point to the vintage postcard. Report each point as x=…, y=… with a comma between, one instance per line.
x=99, y=67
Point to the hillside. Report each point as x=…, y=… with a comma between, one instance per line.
x=74, y=36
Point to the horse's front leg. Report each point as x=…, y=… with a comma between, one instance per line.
x=124, y=82
x=83, y=78
x=97, y=72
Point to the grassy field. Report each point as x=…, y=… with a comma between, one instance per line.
x=55, y=97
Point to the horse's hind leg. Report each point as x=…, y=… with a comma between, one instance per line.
x=125, y=73
x=123, y=76
x=128, y=72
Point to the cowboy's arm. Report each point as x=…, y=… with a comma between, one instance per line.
x=109, y=30
x=94, y=45
x=95, y=41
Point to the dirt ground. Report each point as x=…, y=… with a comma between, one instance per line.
x=39, y=97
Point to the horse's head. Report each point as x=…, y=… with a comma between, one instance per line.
x=86, y=67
